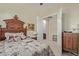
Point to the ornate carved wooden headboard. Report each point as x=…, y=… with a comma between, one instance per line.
x=15, y=25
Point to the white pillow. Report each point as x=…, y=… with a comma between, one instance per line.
x=22, y=35
x=7, y=36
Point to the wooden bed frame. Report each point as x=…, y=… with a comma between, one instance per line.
x=14, y=26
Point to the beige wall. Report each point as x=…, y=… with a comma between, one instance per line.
x=28, y=13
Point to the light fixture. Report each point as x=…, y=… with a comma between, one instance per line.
x=41, y=3
x=44, y=21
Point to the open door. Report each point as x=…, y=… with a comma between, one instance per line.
x=54, y=31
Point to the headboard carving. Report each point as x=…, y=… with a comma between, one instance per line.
x=15, y=25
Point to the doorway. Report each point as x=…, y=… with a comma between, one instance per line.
x=54, y=31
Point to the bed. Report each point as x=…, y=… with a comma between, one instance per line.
x=22, y=46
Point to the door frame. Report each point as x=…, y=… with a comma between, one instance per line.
x=59, y=29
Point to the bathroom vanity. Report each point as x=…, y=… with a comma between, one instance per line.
x=71, y=42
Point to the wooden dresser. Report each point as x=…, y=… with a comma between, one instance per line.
x=71, y=42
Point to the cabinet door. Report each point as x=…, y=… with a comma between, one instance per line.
x=67, y=41
x=74, y=48
x=70, y=41
x=64, y=41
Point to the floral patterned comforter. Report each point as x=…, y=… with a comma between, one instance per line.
x=26, y=47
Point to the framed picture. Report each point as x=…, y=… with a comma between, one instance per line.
x=31, y=27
